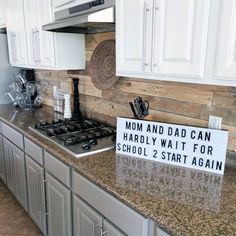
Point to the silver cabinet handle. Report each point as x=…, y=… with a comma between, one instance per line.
x=12, y=47
x=95, y=226
x=9, y=161
x=34, y=45
x=103, y=232
x=156, y=8
x=145, y=11
x=13, y=39
x=15, y=47
x=37, y=190
x=38, y=45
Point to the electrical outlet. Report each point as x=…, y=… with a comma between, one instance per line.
x=214, y=122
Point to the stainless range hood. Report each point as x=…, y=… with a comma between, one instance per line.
x=87, y=18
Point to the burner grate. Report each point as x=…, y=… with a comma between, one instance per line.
x=71, y=132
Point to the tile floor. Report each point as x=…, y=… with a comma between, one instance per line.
x=14, y=221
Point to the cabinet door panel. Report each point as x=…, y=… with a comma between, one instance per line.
x=44, y=39
x=180, y=37
x=133, y=40
x=16, y=33
x=86, y=220
x=2, y=162
x=21, y=48
x=59, y=208
x=2, y=12
x=31, y=22
x=10, y=174
x=20, y=177
x=36, y=193
x=11, y=27
x=226, y=54
x=111, y=230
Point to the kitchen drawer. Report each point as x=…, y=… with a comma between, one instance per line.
x=34, y=151
x=128, y=220
x=13, y=135
x=57, y=168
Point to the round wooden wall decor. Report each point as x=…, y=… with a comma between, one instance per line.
x=103, y=65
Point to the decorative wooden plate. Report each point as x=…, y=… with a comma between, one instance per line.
x=103, y=65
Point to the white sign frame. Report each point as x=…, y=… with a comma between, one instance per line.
x=193, y=147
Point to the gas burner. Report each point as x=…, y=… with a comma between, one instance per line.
x=79, y=137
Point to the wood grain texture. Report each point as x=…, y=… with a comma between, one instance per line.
x=165, y=90
x=156, y=103
x=224, y=99
x=93, y=40
x=173, y=102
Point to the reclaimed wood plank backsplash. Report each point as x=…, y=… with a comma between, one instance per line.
x=181, y=103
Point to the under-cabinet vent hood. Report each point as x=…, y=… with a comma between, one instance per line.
x=91, y=17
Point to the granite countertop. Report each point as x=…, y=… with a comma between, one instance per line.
x=181, y=201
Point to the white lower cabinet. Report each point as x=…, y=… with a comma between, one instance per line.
x=2, y=162
x=123, y=217
x=36, y=193
x=15, y=171
x=50, y=199
x=88, y=221
x=58, y=199
x=9, y=162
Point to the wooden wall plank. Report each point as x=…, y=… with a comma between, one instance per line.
x=157, y=103
x=98, y=105
x=93, y=40
x=228, y=115
x=166, y=91
x=224, y=99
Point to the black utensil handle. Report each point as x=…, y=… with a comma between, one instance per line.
x=145, y=108
x=133, y=109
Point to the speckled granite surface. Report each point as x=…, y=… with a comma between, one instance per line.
x=181, y=201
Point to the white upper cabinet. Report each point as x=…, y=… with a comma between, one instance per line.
x=16, y=33
x=133, y=35
x=31, y=47
x=226, y=48
x=164, y=37
x=46, y=39
x=31, y=22
x=40, y=43
x=177, y=40
x=180, y=37
x=2, y=12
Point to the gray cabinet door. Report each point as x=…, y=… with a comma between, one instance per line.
x=111, y=230
x=9, y=165
x=2, y=162
x=36, y=193
x=58, y=199
x=20, y=176
x=87, y=222
x=15, y=171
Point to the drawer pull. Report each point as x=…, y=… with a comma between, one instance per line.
x=103, y=232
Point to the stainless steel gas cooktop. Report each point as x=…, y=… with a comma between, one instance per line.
x=80, y=137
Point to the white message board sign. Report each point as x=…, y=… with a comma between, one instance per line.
x=193, y=147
